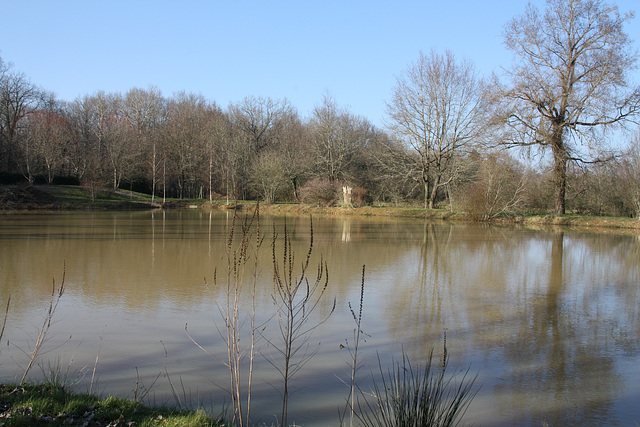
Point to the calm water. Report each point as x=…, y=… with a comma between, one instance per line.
x=549, y=320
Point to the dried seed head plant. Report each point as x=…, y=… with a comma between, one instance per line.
x=295, y=298
x=241, y=279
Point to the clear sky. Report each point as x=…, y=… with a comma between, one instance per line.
x=227, y=50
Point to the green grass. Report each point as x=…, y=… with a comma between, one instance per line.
x=54, y=405
x=75, y=194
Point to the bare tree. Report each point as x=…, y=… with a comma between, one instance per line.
x=83, y=150
x=185, y=134
x=629, y=179
x=216, y=139
x=568, y=80
x=294, y=150
x=45, y=136
x=145, y=110
x=116, y=133
x=436, y=109
x=498, y=187
x=269, y=175
x=337, y=136
x=390, y=169
x=261, y=119
x=18, y=97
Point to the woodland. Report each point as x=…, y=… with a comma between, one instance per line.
x=556, y=131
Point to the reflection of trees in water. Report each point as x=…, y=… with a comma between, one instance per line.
x=438, y=279
x=559, y=372
x=553, y=342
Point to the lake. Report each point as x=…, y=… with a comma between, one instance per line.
x=549, y=320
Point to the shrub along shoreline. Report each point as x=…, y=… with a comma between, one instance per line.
x=62, y=197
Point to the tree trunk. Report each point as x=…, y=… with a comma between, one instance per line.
x=425, y=181
x=434, y=192
x=426, y=193
x=153, y=174
x=559, y=172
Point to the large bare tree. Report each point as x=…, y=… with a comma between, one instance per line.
x=436, y=109
x=567, y=81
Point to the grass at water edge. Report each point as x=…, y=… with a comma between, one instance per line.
x=54, y=405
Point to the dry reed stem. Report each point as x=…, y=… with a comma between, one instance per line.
x=6, y=315
x=354, y=354
x=238, y=253
x=44, y=329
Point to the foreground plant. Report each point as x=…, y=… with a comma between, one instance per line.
x=295, y=299
x=353, y=353
x=238, y=283
x=407, y=396
x=4, y=320
x=56, y=295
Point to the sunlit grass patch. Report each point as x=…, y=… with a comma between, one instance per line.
x=54, y=405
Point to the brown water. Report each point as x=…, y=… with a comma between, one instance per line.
x=549, y=320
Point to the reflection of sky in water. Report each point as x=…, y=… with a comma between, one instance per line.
x=552, y=339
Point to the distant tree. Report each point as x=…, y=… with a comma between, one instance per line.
x=185, y=135
x=261, y=120
x=83, y=150
x=46, y=134
x=146, y=112
x=390, y=170
x=116, y=133
x=268, y=174
x=568, y=80
x=436, y=109
x=278, y=171
x=257, y=125
x=18, y=98
x=295, y=150
x=336, y=138
x=498, y=185
x=629, y=179
x=217, y=136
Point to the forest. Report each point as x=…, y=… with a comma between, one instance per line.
x=556, y=131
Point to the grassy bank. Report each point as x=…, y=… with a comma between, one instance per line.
x=530, y=221
x=63, y=197
x=51, y=197
x=53, y=405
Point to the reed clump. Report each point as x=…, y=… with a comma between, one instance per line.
x=406, y=395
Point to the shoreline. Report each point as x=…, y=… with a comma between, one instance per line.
x=529, y=220
x=28, y=198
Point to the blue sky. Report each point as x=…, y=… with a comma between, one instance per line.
x=227, y=50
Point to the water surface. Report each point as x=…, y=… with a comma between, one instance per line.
x=549, y=320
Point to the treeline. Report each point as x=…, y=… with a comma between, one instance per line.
x=187, y=146
x=445, y=145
